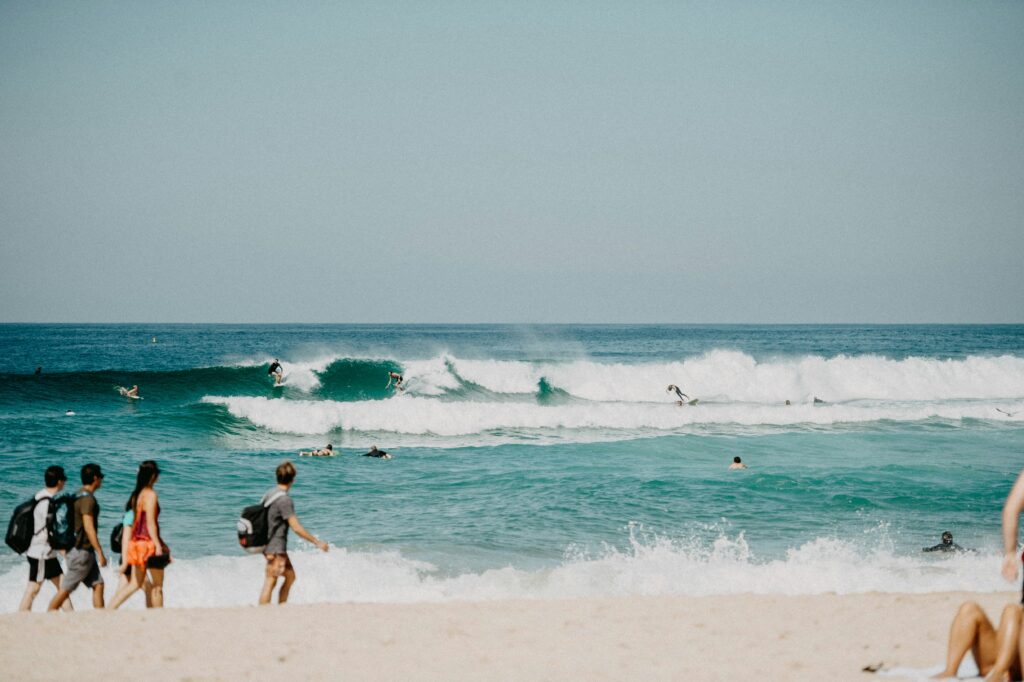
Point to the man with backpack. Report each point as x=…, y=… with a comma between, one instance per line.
x=42, y=560
x=280, y=517
x=86, y=557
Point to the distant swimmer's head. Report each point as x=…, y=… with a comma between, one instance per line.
x=373, y=448
x=329, y=447
x=737, y=460
x=788, y=403
x=947, y=538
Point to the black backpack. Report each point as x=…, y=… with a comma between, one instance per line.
x=60, y=522
x=23, y=525
x=253, y=524
x=115, y=538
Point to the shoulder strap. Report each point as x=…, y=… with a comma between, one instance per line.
x=269, y=501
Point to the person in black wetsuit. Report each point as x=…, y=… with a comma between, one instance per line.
x=374, y=452
x=947, y=545
x=276, y=371
x=679, y=394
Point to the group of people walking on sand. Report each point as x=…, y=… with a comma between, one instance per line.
x=144, y=553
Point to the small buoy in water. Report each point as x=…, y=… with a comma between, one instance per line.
x=154, y=339
x=70, y=413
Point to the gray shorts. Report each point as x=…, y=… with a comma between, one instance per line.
x=82, y=567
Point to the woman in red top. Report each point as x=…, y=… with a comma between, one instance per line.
x=146, y=551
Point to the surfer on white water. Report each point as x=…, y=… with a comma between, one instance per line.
x=276, y=371
x=682, y=396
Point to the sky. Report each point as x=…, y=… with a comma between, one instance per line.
x=675, y=162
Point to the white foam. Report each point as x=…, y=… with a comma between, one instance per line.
x=648, y=566
x=733, y=376
x=430, y=416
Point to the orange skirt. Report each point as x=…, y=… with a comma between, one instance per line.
x=139, y=551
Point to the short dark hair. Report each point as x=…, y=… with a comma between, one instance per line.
x=53, y=476
x=90, y=472
x=285, y=472
x=736, y=459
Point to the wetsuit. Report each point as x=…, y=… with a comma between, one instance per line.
x=682, y=396
x=376, y=453
x=274, y=367
x=945, y=547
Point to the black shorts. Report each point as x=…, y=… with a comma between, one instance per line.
x=51, y=569
x=158, y=561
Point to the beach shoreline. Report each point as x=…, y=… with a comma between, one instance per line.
x=763, y=637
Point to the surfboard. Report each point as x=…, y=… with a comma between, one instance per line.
x=694, y=401
x=124, y=393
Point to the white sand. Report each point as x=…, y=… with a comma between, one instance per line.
x=823, y=637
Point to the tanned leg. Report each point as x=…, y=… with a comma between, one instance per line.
x=156, y=592
x=289, y=578
x=1008, y=641
x=971, y=630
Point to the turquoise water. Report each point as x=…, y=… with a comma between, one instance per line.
x=538, y=461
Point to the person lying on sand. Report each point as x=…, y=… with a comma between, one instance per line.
x=996, y=651
x=374, y=452
x=325, y=451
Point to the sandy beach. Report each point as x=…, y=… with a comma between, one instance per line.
x=652, y=638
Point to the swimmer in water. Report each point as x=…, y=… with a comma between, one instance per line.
x=374, y=452
x=679, y=394
x=326, y=451
x=947, y=545
x=737, y=463
x=397, y=378
x=276, y=371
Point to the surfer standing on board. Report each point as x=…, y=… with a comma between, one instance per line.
x=682, y=396
x=397, y=378
x=276, y=371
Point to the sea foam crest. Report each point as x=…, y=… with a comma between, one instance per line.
x=735, y=376
x=648, y=566
x=426, y=416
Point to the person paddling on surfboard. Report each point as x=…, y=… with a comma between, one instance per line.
x=132, y=392
x=682, y=396
x=276, y=371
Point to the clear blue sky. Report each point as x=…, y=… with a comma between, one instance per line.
x=533, y=162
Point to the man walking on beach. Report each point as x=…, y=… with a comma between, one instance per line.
x=86, y=557
x=280, y=517
x=42, y=560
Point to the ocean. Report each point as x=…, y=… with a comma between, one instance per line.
x=536, y=461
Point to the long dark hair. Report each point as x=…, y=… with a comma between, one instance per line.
x=148, y=471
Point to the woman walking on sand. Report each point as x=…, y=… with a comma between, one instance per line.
x=146, y=551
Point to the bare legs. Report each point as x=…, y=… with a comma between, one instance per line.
x=278, y=566
x=997, y=652
x=154, y=587
x=33, y=589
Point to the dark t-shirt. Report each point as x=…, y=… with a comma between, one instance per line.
x=85, y=505
x=274, y=366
